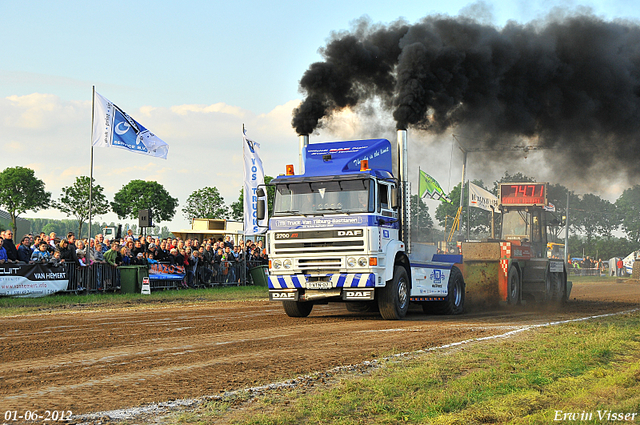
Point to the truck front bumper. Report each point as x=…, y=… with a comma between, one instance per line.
x=300, y=287
x=336, y=280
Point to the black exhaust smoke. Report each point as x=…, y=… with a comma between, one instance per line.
x=572, y=83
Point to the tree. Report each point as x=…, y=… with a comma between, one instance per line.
x=139, y=195
x=48, y=225
x=508, y=178
x=205, y=203
x=557, y=195
x=237, y=208
x=479, y=220
x=22, y=191
x=74, y=201
x=628, y=206
x=595, y=216
x=421, y=222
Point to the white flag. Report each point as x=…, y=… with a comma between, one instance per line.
x=253, y=176
x=114, y=127
x=480, y=198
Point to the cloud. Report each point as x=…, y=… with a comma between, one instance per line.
x=207, y=109
x=52, y=136
x=36, y=111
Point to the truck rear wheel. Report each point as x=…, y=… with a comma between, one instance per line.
x=393, y=299
x=454, y=302
x=513, y=286
x=297, y=308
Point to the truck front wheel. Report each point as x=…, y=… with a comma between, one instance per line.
x=393, y=299
x=297, y=308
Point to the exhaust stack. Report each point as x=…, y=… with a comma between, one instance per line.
x=405, y=205
x=304, y=142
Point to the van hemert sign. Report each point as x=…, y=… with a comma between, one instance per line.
x=32, y=280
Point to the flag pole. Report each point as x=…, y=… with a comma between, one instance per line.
x=93, y=99
x=244, y=172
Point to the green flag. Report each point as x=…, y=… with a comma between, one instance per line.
x=429, y=186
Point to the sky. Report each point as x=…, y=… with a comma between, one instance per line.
x=195, y=72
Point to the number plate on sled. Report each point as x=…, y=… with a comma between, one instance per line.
x=319, y=285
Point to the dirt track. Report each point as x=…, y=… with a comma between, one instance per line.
x=101, y=360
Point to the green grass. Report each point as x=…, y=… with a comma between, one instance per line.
x=12, y=306
x=576, y=367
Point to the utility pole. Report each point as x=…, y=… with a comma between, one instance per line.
x=566, y=234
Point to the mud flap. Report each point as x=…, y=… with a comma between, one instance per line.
x=290, y=295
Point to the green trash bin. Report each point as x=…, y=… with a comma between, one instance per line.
x=128, y=279
x=259, y=275
x=131, y=278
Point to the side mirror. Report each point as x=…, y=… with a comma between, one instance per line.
x=260, y=193
x=261, y=209
x=394, y=198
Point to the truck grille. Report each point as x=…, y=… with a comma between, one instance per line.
x=319, y=251
x=324, y=265
x=319, y=246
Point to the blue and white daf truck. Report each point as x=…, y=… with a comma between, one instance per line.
x=339, y=232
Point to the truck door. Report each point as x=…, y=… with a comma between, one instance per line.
x=538, y=232
x=384, y=204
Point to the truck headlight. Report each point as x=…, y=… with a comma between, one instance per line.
x=362, y=262
x=351, y=262
x=277, y=264
x=287, y=264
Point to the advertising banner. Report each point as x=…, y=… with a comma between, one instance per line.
x=166, y=272
x=483, y=199
x=253, y=177
x=32, y=280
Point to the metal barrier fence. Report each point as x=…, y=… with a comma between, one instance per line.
x=98, y=277
x=223, y=273
x=575, y=271
x=102, y=277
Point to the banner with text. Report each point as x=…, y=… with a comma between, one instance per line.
x=253, y=177
x=32, y=280
x=480, y=198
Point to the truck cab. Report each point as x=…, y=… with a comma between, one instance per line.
x=336, y=235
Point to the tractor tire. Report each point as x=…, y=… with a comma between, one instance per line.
x=393, y=299
x=549, y=282
x=454, y=302
x=513, y=286
x=559, y=288
x=297, y=308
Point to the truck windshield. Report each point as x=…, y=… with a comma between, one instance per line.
x=332, y=197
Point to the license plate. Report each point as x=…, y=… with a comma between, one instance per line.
x=318, y=285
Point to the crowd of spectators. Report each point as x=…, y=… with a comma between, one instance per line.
x=213, y=259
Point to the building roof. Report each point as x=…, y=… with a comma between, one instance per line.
x=5, y=215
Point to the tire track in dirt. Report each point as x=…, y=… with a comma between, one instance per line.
x=104, y=360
